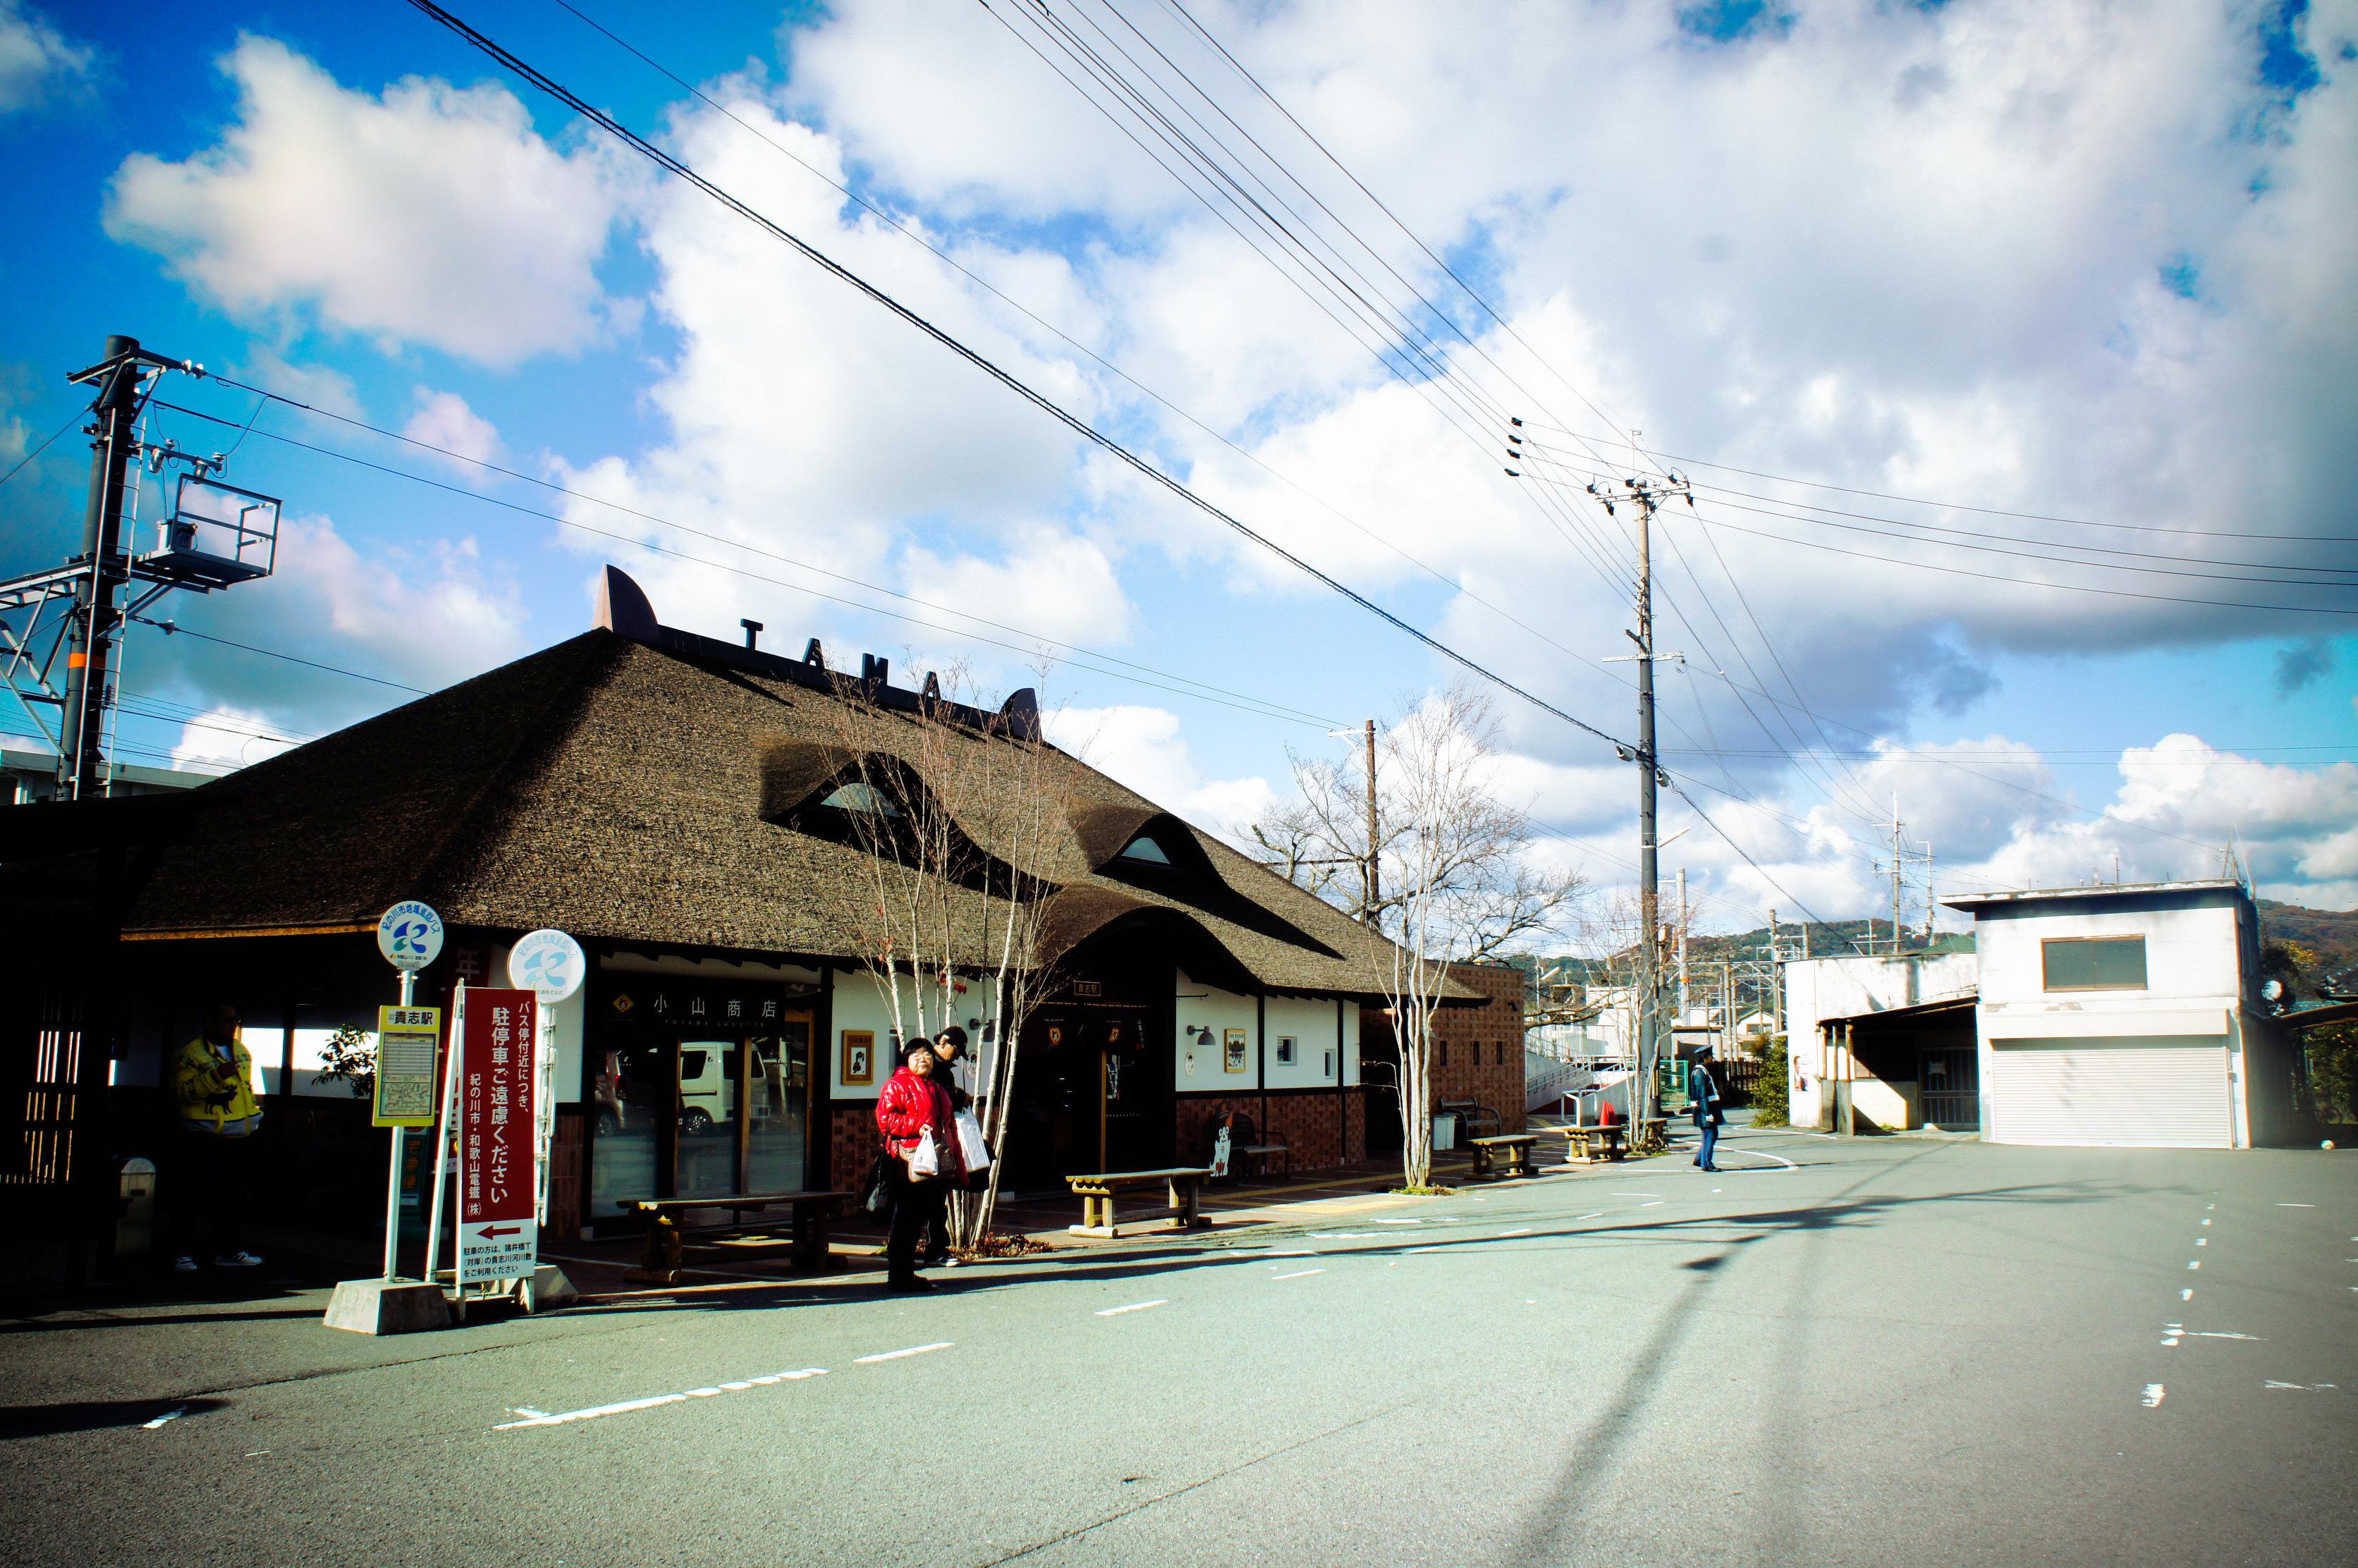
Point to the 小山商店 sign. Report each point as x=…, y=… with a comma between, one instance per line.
x=499, y=1238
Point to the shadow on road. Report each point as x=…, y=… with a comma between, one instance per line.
x=90, y=1415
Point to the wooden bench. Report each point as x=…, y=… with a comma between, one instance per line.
x=667, y=1238
x=1097, y=1193
x=1514, y=1149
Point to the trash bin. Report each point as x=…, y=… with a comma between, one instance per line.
x=1444, y=1130
x=135, y=1212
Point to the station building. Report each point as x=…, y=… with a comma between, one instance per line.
x=681, y=806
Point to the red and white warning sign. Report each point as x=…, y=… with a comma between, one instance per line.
x=499, y=1238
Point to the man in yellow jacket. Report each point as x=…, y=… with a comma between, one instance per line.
x=213, y=1084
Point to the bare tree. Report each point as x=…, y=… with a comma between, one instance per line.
x=1447, y=877
x=951, y=811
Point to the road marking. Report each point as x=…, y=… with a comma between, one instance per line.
x=2214, y=1334
x=1116, y=1312
x=1764, y=1154
x=1443, y=1248
x=2197, y=1263
x=1399, y=1222
x=2296, y=1206
x=1520, y=1230
x=1298, y=1274
x=2152, y=1395
x=896, y=1355
x=2201, y=1241
x=1295, y=1252
x=1656, y=1204
x=1344, y=1235
x=1600, y=1215
x=2206, y=1221
x=2272, y=1383
x=1618, y=1194
x=535, y=1418
x=175, y=1413
x=2187, y=1294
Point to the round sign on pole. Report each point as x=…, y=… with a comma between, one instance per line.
x=409, y=936
x=549, y=964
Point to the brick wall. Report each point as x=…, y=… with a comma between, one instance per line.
x=1478, y=1051
x=1307, y=1120
x=852, y=1145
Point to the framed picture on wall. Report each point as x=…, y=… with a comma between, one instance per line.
x=1232, y=1050
x=859, y=1056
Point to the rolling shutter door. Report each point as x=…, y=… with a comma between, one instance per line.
x=2145, y=1091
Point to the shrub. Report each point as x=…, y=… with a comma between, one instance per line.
x=1772, y=1103
x=349, y=1058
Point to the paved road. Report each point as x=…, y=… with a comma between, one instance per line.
x=1889, y=1352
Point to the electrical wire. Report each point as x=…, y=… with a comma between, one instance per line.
x=79, y=414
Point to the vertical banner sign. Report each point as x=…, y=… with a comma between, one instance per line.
x=409, y=1042
x=499, y=1234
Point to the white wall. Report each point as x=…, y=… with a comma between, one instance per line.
x=861, y=1003
x=1197, y=1065
x=2195, y=985
x=1820, y=989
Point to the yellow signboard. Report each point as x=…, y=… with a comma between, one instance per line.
x=406, y=1038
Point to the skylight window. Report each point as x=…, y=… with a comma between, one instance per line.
x=1146, y=852
x=860, y=796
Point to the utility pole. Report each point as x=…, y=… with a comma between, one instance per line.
x=212, y=535
x=1646, y=495
x=81, y=761
x=1371, y=876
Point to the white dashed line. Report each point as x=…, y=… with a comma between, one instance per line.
x=1298, y=1274
x=2197, y=1263
x=2152, y=1395
x=1399, y=1222
x=173, y=1414
x=2214, y=1334
x=2206, y=1222
x=2296, y=1206
x=1618, y=1194
x=896, y=1355
x=2201, y=1241
x=1600, y=1215
x=1656, y=1204
x=2187, y=1294
x=1296, y=1252
x=1521, y=1230
x=1134, y=1306
x=623, y=1407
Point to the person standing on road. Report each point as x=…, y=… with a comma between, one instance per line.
x=213, y=1085
x=912, y=1110
x=950, y=1073
x=1707, y=1117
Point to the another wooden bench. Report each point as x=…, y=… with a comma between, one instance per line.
x=1592, y=1144
x=667, y=1238
x=1514, y=1149
x=1097, y=1193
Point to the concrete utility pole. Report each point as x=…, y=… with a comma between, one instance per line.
x=1646, y=495
x=81, y=760
x=1372, y=879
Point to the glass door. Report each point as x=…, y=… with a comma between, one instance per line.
x=778, y=1123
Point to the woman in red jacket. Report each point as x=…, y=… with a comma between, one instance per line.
x=912, y=1105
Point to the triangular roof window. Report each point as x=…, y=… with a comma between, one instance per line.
x=1145, y=850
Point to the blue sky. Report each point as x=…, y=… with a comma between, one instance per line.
x=2018, y=257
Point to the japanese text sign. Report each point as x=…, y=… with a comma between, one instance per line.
x=408, y=1040
x=499, y=1238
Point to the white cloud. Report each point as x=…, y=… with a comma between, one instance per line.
x=1143, y=748
x=36, y=60
x=442, y=419
x=227, y=737
x=431, y=214
x=1057, y=585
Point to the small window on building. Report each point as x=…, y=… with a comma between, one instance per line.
x=1326, y=1065
x=860, y=796
x=1285, y=1050
x=2094, y=963
x=1147, y=852
x=1445, y=1053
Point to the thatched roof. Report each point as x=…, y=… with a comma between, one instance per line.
x=654, y=790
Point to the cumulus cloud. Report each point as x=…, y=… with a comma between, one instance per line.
x=1141, y=747
x=430, y=213
x=223, y=738
x=442, y=419
x=37, y=60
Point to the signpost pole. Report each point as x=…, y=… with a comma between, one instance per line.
x=439, y=1149
x=393, y=1177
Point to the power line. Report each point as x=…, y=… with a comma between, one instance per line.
x=78, y=415
x=1021, y=389
x=174, y=629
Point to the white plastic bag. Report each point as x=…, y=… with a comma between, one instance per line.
x=923, y=1160
x=970, y=1143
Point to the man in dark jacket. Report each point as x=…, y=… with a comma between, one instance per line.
x=1708, y=1117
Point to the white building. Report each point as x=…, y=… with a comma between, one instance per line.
x=2126, y=1015
x=1823, y=995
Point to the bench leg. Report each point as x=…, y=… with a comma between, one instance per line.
x=661, y=1258
x=810, y=1238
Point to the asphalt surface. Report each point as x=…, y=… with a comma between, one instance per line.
x=1890, y=1351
